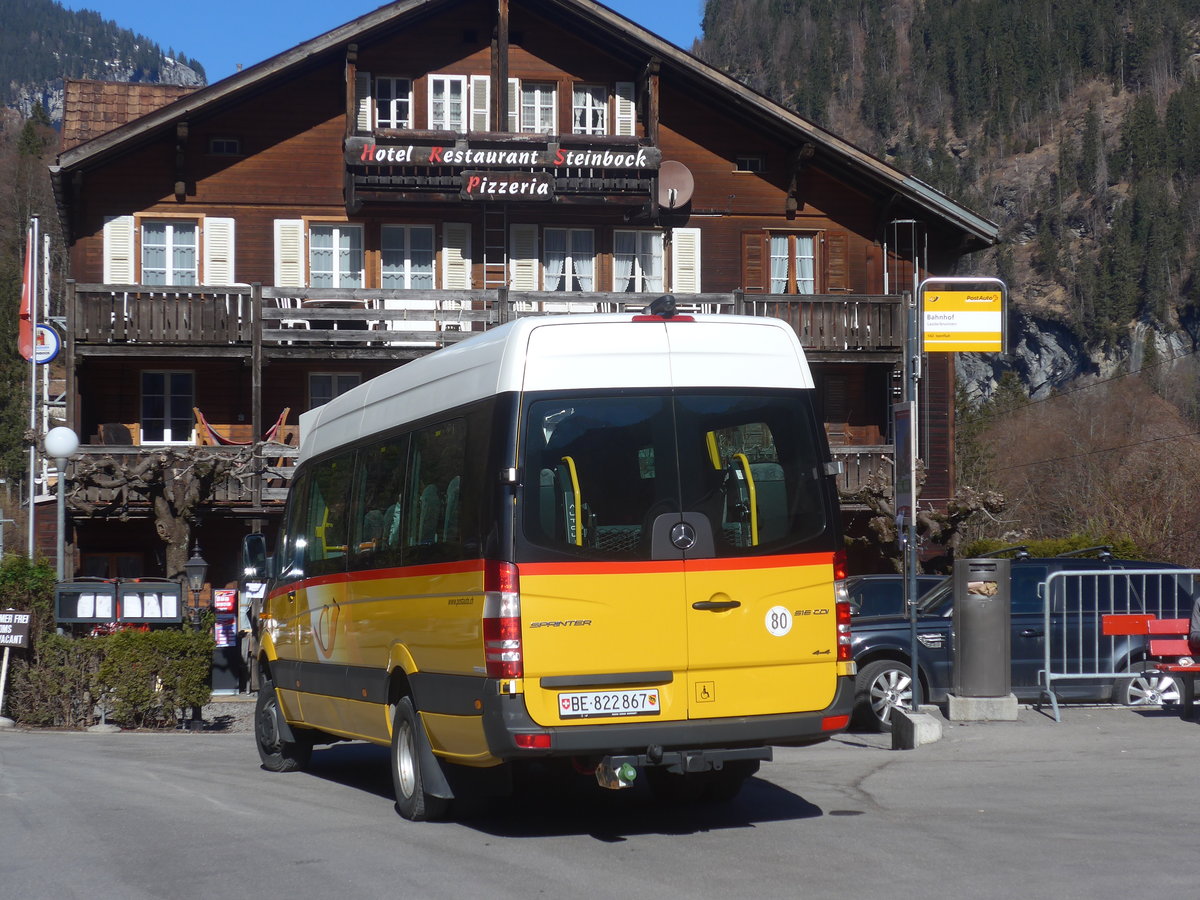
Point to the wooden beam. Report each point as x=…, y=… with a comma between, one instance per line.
x=351, y=89
x=181, y=137
x=500, y=67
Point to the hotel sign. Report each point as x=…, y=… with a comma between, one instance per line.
x=363, y=152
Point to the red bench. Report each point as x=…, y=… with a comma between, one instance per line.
x=1168, y=644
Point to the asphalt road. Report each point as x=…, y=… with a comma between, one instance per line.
x=1106, y=804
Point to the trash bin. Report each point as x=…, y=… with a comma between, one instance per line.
x=982, y=636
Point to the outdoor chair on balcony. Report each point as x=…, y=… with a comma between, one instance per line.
x=206, y=435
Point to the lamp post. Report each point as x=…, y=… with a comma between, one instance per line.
x=61, y=443
x=196, y=568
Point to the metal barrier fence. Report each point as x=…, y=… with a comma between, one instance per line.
x=1076, y=649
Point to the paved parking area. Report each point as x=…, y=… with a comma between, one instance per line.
x=1105, y=804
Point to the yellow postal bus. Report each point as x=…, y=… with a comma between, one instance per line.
x=605, y=541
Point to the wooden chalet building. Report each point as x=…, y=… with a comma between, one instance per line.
x=429, y=170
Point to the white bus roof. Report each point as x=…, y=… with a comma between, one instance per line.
x=563, y=352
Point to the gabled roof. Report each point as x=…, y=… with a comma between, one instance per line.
x=94, y=108
x=621, y=36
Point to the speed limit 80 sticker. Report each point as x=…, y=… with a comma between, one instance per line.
x=779, y=620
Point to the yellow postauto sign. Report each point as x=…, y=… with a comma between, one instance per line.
x=963, y=320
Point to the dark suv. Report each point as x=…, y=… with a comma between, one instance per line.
x=882, y=643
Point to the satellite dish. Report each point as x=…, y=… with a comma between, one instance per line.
x=675, y=184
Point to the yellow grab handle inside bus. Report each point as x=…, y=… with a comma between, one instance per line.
x=714, y=453
x=578, y=501
x=750, y=490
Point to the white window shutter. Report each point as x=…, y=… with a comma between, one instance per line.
x=289, y=253
x=523, y=258
x=119, y=248
x=685, y=260
x=218, y=251
x=626, y=109
x=514, y=105
x=365, y=113
x=481, y=103
x=456, y=256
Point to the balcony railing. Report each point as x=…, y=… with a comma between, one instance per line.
x=860, y=462
x=259, y=476
x=127, y=319
x=405, y=323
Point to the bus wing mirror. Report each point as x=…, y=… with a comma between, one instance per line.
x=255, y=565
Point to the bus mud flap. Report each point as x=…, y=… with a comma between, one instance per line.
x=433, y=777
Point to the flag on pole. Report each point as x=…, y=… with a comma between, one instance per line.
x=25, y=334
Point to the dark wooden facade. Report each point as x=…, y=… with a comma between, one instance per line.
x=249, y=176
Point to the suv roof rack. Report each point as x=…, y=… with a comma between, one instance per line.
x=1019, y=552
x=1102, y=552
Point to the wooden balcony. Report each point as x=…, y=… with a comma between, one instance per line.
x=258, y=479
x=860, y=462
x=262, y=323
x=124, y=320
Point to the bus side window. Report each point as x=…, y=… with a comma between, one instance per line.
x=437, y=462
x=326, y=525
x=376, y=540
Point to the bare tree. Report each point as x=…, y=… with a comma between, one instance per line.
x=938, y=531
x=176, y=482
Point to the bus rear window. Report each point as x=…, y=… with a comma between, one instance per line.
x=600, y=470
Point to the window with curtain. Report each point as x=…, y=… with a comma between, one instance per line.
x=169, y=252
x=393, y=102
x=793, y=264
x=570, y=259
x=407, y=255
x=447, y=102
x=637, y=261
x=168, y=398
x=335, y=256
x=589, y=109
x=537, y=107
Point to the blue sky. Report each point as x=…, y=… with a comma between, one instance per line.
x=223, y=33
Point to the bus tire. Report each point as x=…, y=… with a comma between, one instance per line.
x=408, y=780
x=277, y=754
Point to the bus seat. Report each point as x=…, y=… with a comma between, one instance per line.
x=450, y=523
x=391, y=526
x=771, y=497
x=429, y=515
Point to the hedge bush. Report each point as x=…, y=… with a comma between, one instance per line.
x=138, y=679
x=1122, y=547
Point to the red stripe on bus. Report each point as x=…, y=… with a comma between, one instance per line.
x=590, y=567
x=625, y=567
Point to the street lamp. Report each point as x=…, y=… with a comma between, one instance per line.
x=61, y=442
x=196, y=569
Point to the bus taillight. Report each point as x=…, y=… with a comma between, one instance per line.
x=502, y=654
x=844, y=650
x=839, y=565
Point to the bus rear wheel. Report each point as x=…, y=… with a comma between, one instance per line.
x=412, y=801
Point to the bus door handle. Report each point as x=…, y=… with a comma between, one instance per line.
x=717, y=605
x=1032, y=632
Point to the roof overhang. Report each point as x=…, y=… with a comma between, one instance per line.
x=627, y=38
